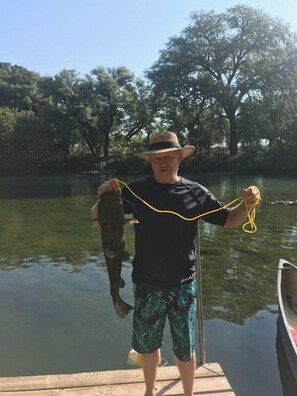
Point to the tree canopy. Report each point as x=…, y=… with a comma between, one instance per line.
x=227, y=84
x=221, y=60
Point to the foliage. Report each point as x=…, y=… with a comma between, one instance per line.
x=29, y=146
x=227, y=84
x=18, y=88
x=221, y=60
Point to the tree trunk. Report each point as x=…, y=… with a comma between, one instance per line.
x=233, y=141
x=106, y=144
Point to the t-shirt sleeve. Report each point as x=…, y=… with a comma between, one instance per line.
x=219, y=216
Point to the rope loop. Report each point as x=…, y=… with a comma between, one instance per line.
x=251, y=214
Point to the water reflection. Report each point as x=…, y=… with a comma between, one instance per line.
x=54, y=224
x=288, y=381
x=52, y=266
x=45, y=186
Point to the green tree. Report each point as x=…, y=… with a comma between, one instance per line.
x=279, y=113
x=109, y=95
x=141, y=109
x=8, y=119
x=19, y=88
x=227, y=57
x=61, y=98
x=29, y=146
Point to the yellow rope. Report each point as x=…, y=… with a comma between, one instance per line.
x=251, y=214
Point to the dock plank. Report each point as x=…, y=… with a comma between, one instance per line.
x=209, y=381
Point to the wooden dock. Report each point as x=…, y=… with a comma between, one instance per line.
x=209, y=381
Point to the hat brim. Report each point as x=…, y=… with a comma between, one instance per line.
x=186, y=151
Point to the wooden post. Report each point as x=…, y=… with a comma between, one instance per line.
x=199, y=299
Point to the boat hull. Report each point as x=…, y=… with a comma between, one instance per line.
x=287, y=319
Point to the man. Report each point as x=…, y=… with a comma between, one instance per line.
x=164, y=263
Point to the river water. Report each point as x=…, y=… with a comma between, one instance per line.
x=55, y=309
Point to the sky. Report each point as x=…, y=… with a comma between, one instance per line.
x=47, y=36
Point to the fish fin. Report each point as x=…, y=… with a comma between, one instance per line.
x=96, y=223
x=122, y=283
x=94, y=210
x=94, y=215
x=109, y=253
x=131, y=221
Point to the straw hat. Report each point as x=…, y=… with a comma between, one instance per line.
x=162, y=142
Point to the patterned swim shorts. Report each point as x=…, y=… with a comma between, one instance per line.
x=151, y=309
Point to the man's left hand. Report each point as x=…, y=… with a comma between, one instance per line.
x=251, y=195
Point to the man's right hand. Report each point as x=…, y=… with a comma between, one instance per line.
x=108, y=186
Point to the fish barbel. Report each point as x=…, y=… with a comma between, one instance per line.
x=110, y=215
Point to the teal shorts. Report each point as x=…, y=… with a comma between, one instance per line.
x=151, y=309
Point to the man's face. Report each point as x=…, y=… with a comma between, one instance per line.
x=165, y=166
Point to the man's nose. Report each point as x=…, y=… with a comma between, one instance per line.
x=163, y=160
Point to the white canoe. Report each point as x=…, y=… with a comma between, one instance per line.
x=287, y=301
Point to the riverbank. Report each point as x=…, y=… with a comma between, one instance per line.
x=131, y=164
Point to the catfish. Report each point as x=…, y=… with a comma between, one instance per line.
x=110, y=218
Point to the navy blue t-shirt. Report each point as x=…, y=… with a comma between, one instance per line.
x=164, y=243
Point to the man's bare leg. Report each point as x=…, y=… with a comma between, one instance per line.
x=187, y=374
x=150, y=363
